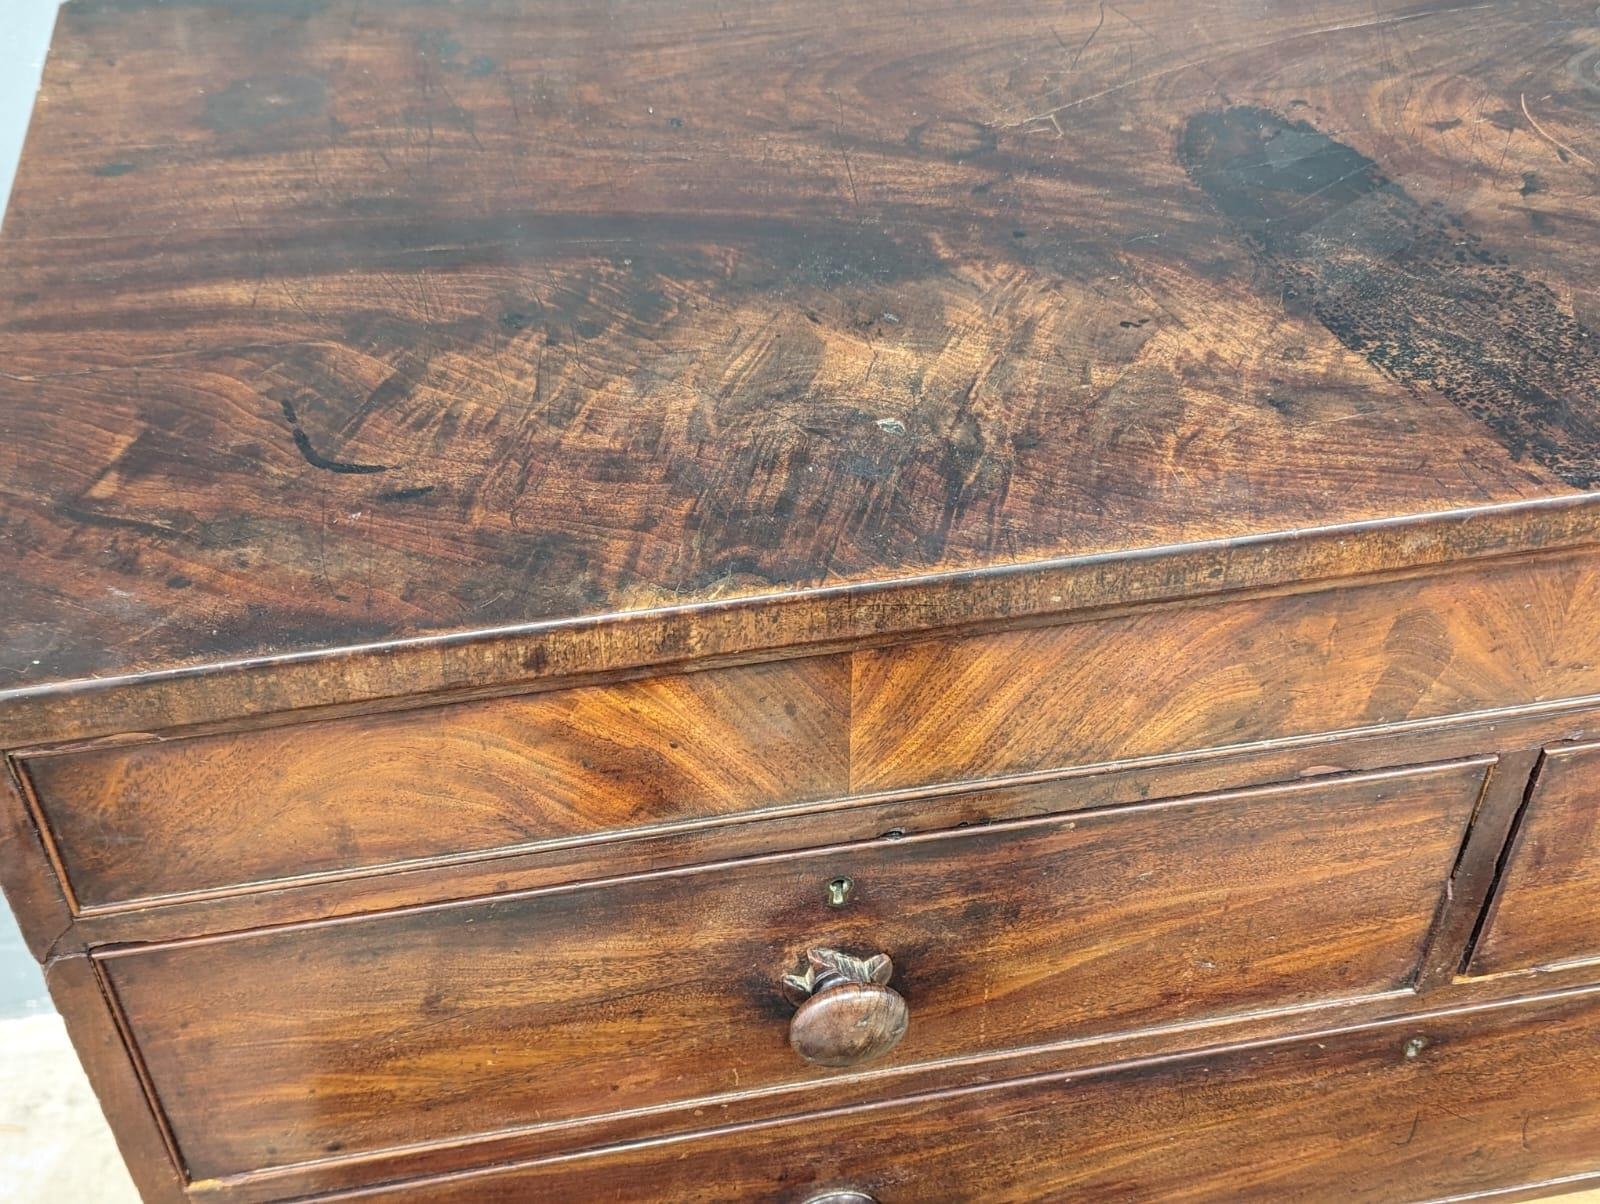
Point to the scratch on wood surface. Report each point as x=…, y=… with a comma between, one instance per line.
x=1551, y=138
x=844, y=154
x=1098, y=25
x=1416, y=1121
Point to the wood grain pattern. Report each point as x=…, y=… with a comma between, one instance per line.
x=435, y=1024
x=221, y=811
x=329, y=323
x=519, y=1146
x=1227, y=674
x=1546, y=907
x=808, y=826
x=496, y=662
x=1424, y=1109
x=192, y=815
x=504, y=503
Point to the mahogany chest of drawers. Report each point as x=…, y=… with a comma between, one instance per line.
x=810, y=601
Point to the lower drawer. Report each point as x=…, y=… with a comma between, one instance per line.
x=1474, y=1101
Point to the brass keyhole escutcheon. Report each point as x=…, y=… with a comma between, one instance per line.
x=839, y=891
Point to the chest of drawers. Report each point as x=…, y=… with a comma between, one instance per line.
x=811, y=602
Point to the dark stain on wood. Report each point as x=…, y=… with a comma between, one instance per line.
x=676, y=339
x=330, y=322
x=314, y=457
x=1405, y=283
x=265, y=100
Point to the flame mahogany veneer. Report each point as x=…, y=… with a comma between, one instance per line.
x=811, y=602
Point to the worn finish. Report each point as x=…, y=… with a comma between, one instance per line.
x=1473, y=877
x=1547, y=905
x=543, y=656
x=451, y=1021
x=328, y=324
x=1405, y=283
x=640, y=601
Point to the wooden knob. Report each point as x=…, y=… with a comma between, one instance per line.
x=848, y=1013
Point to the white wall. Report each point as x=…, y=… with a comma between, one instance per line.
x=24, y=35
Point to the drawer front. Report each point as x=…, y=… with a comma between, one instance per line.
x=1546, y=908
x=1154, y=682
x=241, y=811
x=342, y=1037
x=1428, y=1109
x=213, y=812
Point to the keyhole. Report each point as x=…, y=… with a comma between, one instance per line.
x=839, y=892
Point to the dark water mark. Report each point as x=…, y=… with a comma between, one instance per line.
x=952, y=138
x=265, y=100
x=405, y=495
x=1405, y=284
x=314, y=457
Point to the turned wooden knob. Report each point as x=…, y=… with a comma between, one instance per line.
x=848, y=1013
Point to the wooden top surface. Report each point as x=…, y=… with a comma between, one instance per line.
x=325, y=323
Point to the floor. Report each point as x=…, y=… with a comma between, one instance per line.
x=54, y=1144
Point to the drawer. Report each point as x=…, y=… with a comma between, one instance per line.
x=1546, y=907
x=1155, y=681
x=244, y=811
x=1395, y=1112
x=212, y=812
x=434, y=1024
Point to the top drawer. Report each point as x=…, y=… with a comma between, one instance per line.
x=202, y=813
x=230, y=812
